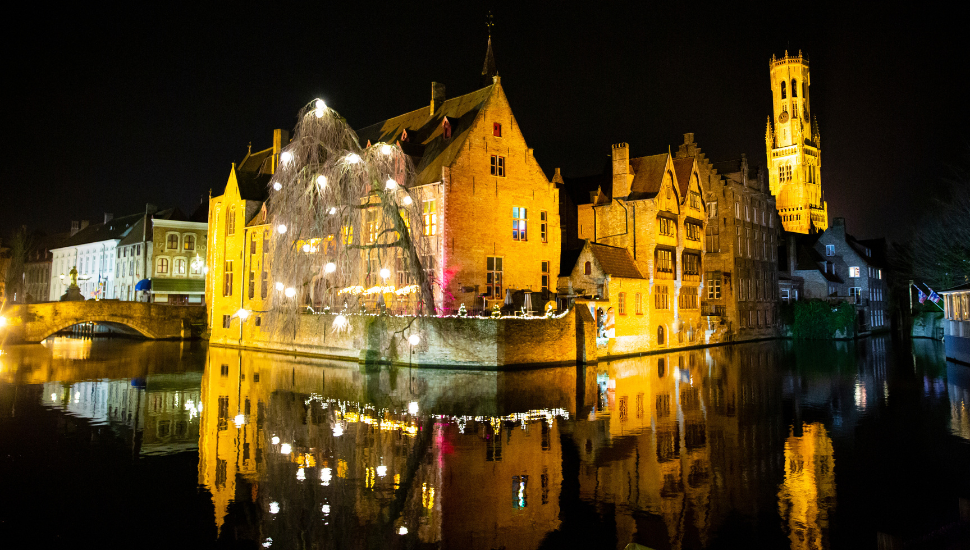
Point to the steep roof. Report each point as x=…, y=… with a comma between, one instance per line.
x=135, y=235
x=567, y=260
x=683, y=167
x=648, y=174
x=808, y=259
x=614, y=261
x=253, y=162
x=252, y=185
x=114, y=229
x=425, y=137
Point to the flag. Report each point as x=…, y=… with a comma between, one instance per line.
x=934, y=297
x=922, y=295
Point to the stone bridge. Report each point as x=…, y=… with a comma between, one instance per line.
x=35, y=322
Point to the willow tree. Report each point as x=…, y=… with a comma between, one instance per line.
x=342, y=215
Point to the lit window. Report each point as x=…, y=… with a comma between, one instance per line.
x=518, y=223
x=638, y=303
x=227, y=280
x=231, y=221
x=493, y=277
x=544, y=282
x=854, y=271
x=372, y=226
x=830, y=250
x=713, y=285
x=188, y=242
x=430, y=217
x=498, y=166
x=543, y=226
x=665, y=261
x=693, y=231
x=173, y=242
x=668, y=227
x=180, y=266
x=161, y=266
x=661, y=298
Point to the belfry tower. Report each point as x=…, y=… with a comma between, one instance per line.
x=793, y=147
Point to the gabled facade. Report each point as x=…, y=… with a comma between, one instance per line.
x=741, y=242
x=656, y=211
x=92, y=249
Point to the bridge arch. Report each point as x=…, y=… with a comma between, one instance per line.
x=153, y=321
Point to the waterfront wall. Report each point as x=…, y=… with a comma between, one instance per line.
x=444, y=341
x=35, y=322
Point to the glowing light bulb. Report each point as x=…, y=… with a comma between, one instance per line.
x=407, y=200
x=326, y=474
x=285, y=157
x=340, y=321
x=338, y=430
x=285, y=449
x=353, y=158
x=290, y=292
x=243, y=314
x=330, y=267
x=275, y=440
x=381, y=471
x=274, y=507
x=413, y=407
x=391, y=184
x=277, y=185
x=53, y=397
x=306, y=248
x=240, y=420
x=385, y=273
x=325, y=509
x=320, y=107
x=414, y=339
x=333, y=210
x=280, y=287
x=386, y=149
x=281, y=228
x=300, y=474
x=322, y=181
x=402, y=531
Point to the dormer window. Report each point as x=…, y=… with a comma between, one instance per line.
x=497, y=129
x=446, y=128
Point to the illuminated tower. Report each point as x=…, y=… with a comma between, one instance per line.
x=793, y=148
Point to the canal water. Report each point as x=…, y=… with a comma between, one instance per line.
x=761, y=445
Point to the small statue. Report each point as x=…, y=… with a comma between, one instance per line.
x=550, y=311
x=496, y=311
x=462, y=312
x=74, y=276
x=524, y=312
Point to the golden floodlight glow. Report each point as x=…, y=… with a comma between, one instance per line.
x=3, y=321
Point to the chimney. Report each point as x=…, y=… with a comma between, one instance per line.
x=622, y=178
x=75, y=227
x=744, y=169
x=108, y=217
x=437, y=96
x=84, y=223
x=281, y=138
x=150, y=209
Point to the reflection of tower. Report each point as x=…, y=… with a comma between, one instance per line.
x=793, y=147
x=808, y=493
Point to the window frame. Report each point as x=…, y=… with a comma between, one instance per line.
x=498, y=166
x=520, y=223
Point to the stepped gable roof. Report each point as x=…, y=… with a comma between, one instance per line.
x=683, y=167
x=648, y=174
x=117, y=228
x=615, y=261
x=426, y=142
x=135, y=235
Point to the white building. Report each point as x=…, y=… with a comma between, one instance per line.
x=92, y=249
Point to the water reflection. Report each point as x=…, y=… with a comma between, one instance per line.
x=695, y=449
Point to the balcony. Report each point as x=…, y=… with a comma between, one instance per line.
x=713, y=310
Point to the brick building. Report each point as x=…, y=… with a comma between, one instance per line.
x=654, y=209
x=741, y=242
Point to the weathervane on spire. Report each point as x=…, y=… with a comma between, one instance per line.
x=489, y=70
x=489, y=23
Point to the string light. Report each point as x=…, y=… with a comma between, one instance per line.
x=281, y=228
x=290, y=292
x=286, y=157
x=391, y=184
x=330, y=267
x=407, y=200
x=320, y=108
x=353, y=158
x=322, y=181
x=277, y=185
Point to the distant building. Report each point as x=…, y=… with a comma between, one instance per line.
x=38, y=265
x=92, y=249
x=956, y=326
x=741, y=241
x=836, y=267
x=793, y=147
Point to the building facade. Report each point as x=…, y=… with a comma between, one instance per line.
x=740, y=243
x=654, y=209
x=793, y=148
x=38, y=266
x=178, y=251
x=92, y=249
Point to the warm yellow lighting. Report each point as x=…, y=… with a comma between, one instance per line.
x=3, y=322
x=381, y=471
x=281, y=228
x=407, y=200
x=275, y=440
x=330, y=267
x=243, y=314
x=340, y=321
x=413, y=405
x=240, y=420
x=391, y=184
x=338, y=430
x=385, y=273
x=290, y=292
x=306, y=248
x=285, y=449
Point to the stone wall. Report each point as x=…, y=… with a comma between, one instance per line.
x=35, y=322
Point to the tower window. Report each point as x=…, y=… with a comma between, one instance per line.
x=784, y=93
x=794, y=88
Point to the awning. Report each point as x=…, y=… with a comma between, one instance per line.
x=144, y=284
x=178, y=286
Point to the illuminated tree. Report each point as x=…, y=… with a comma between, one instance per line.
x=343, y=220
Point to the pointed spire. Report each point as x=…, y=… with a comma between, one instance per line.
x=489, y=70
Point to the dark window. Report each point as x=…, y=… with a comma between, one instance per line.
x=498, y=166
x=588, y=269
x=226, y=320
x=784, y=93
x=794, y=88
x=660, y=335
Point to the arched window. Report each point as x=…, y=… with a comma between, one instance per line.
x=588, y=269
x=794, y=88
x=231, y=221
x=784, y=94
x=161, y=266
x=173, y=241
x=180, y=266
x=188, y=242
x=660, y=335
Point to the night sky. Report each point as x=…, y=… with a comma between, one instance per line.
x=113, y=109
